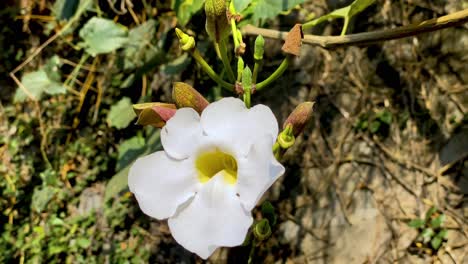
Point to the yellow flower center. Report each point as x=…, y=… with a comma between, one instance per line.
x=208, y=164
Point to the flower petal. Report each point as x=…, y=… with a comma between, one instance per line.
x=214, y=218
x=161, y=184
x=244, y=126
x=182, y=133
x=257, y=172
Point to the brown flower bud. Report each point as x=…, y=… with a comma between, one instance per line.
x=299, y=117
x=185, y=95
x=217, y=24
x=154, y=114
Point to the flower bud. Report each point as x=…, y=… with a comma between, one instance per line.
x=185, y=95
x=259, y=48
x=262, y=230
x=247, y=85
x=187, y=42
x=154, y=114
x=299, y=117
x=240, y=68
x=217, y=24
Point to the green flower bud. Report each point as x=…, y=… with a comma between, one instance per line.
x=240, y=68
x=154, y=114
x=299, y=117
x=247, y=85
x=185, y=95
x=217, y=24
x=262, y=230
x=259, y=47
x=187, y=42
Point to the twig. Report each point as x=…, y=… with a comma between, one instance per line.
x=330, y=42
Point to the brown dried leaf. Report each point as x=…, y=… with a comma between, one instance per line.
x=293, y=42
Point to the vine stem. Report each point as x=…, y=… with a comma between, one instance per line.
x=225, y=60
x=275, y=75
x=208, y=70
x=329, y=42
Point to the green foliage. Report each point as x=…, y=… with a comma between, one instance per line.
x=102, y=36
x=417, y=223
x=264, y=9
x=45, y=80
x=185, y=9
x=432, y=233
x=139, y=50
x=121, y=114
x=129, y=151
x=376, y=122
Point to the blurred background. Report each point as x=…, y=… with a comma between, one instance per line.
x=379, y=175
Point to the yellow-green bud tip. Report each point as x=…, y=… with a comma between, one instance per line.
x=262, y=230
x=187, y=42
x=286, y=138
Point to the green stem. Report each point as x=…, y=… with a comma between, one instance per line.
x=275, y=75
x=255, y=71
x=70, y=82
x=318, y=20
x=234, y=33
x=247, y=95
x=225, y=60
x=252, y=251
x=208, y=70
x=345, y=26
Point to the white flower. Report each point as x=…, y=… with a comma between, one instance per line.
x=211, y=174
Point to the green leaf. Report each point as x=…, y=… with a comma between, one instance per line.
x=102, y=36
x=121, y=114
x=427, y=234
x=436, y=242
x=138, y=49
x=417, y=223
x=41, y=198
x=438, y=221
x=268, y=212
x=385, y=116
x=240, y=5
x=37, y=83
x=443, y=234
x=374, y=126
x=358, y=6
x=177, y=65
x=185, y=9
x=83, y=242
x=129, y=150
x=430, y=212
x=265, y=9
x=119, y=181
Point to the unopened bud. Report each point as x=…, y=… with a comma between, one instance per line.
x=240, y=68
x=247, y=85
x=187, y=42
x=154, y=114
x=262, y=230
x=259, y=48
x=299, y=117
x=185, y=95
x=217, y=24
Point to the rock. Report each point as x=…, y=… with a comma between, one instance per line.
x=289, y=232
x=362, y=242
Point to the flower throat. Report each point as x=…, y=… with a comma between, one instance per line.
x=208, y=164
